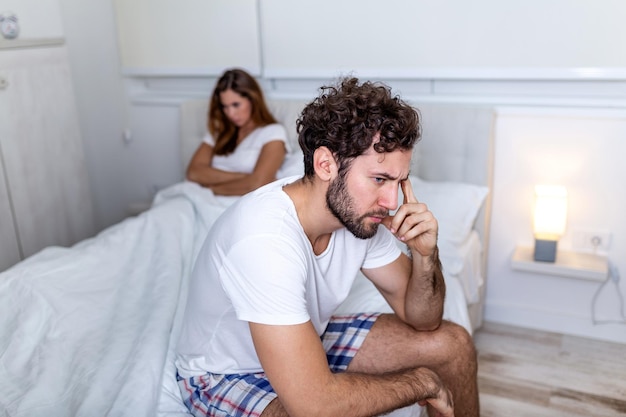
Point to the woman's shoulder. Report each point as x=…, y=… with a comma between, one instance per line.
x=208, y=139
x=276, y=130
x=269, y=133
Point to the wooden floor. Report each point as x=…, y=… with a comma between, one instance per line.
x=527, y=373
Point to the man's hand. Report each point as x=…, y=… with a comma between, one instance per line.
x=441, y=402
x=413, y=223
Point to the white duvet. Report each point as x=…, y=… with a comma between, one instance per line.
x=90, y=330
x=84, y=331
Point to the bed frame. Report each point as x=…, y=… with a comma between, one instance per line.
x=456, y=145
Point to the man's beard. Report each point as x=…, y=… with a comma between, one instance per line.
x=341, y=204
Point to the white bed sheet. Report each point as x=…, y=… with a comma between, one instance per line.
x=463, y=262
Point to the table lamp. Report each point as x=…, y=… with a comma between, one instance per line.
x=549, y=220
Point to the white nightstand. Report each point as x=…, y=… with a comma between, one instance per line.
x=568, y=264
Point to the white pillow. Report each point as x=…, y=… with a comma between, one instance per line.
x=455, y=205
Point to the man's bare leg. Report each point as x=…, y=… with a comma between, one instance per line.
x=392, y=345
x=449, y=351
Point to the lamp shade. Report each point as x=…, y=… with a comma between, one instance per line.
x=550, y=211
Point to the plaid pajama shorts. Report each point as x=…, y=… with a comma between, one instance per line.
x=247, y=395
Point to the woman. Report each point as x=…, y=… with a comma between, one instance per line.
x=244, y=146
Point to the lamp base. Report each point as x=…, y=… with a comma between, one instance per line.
x=545, y=250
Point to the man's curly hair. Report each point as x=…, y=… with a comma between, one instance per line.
x=346, y=117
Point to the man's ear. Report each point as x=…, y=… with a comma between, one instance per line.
x=324, y=163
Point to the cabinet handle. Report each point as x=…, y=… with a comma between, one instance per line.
x=3, y=83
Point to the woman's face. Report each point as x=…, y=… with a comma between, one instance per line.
x=236, y=107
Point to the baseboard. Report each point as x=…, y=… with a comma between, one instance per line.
x=552, y=321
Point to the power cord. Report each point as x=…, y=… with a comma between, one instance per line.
x=614, y=277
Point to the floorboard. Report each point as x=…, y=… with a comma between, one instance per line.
x=523, y=372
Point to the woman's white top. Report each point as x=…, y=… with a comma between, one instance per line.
x=245, y=156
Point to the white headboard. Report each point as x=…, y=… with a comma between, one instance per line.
x=456, y=144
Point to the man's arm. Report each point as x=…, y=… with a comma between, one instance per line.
x=413, y=286
x=295, y=363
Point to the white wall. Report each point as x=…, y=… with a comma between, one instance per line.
x=404, y=38
x=394, y=38
x=190, y=36
x=91, y=39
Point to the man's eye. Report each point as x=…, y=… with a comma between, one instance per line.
x=379, y=180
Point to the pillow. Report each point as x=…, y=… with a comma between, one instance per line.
x=455, y=205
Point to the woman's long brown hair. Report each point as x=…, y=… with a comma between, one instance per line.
x=219, y=126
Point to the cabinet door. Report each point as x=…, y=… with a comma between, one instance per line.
x=42, y=149
x=9, y=249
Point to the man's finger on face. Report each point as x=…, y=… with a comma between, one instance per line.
x=401, y=222
x=387, y=222
x=407, y=191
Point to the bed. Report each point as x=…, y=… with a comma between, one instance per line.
x=90, y=330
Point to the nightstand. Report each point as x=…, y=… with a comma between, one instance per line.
x=579, y=265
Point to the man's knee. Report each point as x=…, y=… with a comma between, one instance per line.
x=455, y=343
x=460, y=341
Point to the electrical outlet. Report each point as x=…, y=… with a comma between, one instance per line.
x=613, y=272
x=591, y=240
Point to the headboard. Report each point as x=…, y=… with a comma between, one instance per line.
x=456, y=145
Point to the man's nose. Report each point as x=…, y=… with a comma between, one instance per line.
x=389, y=198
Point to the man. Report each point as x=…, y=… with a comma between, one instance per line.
x=259, y=337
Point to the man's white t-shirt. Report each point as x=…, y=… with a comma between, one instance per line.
x=257, y=265
x=246, y=154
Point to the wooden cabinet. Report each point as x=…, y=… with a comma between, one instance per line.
x=45, y=198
